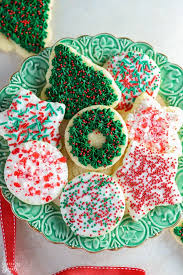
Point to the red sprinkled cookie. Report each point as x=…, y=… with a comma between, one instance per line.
x=155, y=126
x=148, y=180
x=35, y=172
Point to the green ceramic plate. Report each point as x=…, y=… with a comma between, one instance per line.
x=47, y=219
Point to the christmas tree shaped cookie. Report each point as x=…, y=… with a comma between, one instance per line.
x=24, y=25
x=77, y=82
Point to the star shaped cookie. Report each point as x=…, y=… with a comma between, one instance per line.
x=148, y=179
x=155, y=126
x=29, y=118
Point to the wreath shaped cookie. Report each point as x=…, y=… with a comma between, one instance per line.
x=96, y=137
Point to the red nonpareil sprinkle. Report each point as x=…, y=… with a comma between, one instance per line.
x=48, y=198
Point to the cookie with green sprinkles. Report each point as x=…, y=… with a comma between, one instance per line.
x=24, y=25
x=96, y=137
x=29, y=118
x=134, y=73
x=177, y=232
x=77, y=82
x=92, y=204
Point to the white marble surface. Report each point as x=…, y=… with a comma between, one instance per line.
x=158, y=22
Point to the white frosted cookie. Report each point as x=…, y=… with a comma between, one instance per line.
x=148, y=179
x=35, y=172
x=154, y=125
x=76, y=81
x=134, y=73
x=29, y=118
x=96, y=137
x=25, y=26
x=92, y=204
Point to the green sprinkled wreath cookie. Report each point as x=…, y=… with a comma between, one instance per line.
x=24, y=25
x=77, y=82
x=96, y=137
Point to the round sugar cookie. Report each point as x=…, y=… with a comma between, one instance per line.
x=35, y=172
x=92, y=204
x=96, y=137
x=134, y=73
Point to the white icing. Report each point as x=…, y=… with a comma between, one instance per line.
x=41, y=178
x=107, y=202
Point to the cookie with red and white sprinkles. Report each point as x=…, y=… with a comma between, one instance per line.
x=36, y=172
x=24, y=25
x=92, y=204
x=134, y=73
x=155, y=126
x=29, y=118
x=148, y=180
x=76, y=81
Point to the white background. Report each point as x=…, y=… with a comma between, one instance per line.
x=158, y=22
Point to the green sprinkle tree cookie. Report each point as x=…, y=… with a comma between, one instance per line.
x=25, y=22
x=77, y=82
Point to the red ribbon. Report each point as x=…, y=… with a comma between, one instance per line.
x=101, y=270
x=8, y=225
